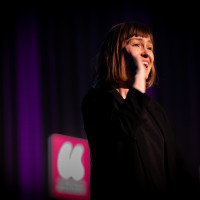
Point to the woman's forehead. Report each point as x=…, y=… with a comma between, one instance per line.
x=141, y=38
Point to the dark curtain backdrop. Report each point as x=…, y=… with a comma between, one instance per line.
x=46, y=68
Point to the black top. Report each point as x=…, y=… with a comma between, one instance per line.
x=154, y=143
x=154, y=146
x=133, y=151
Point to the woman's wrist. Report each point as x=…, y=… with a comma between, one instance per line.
x=139, y=82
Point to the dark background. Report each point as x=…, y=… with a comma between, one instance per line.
x=46, y=53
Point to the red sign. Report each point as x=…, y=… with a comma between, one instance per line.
x=69, y=167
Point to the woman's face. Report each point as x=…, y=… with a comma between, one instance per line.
x=140, y=50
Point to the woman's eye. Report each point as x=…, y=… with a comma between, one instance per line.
x=150, y=48
x=135, y=45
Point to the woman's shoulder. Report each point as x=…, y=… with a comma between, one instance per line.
x=98, y=94
x=158, y=108
x=157, y=105
x=98, y=90
x=92, y=94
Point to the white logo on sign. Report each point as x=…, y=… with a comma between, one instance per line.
x=69, y=161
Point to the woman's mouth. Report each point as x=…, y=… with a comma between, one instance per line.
x=146, y=64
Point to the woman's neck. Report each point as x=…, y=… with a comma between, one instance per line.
x=123, y=92
x=123, y=88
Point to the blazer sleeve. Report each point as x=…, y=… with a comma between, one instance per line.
x=104, y=117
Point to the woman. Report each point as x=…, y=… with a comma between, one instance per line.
x=133, y=151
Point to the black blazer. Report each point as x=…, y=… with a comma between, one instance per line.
x=118, y=160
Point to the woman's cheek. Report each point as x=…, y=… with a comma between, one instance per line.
x=135, y=53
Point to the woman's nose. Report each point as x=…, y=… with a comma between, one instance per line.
x=144, y=53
